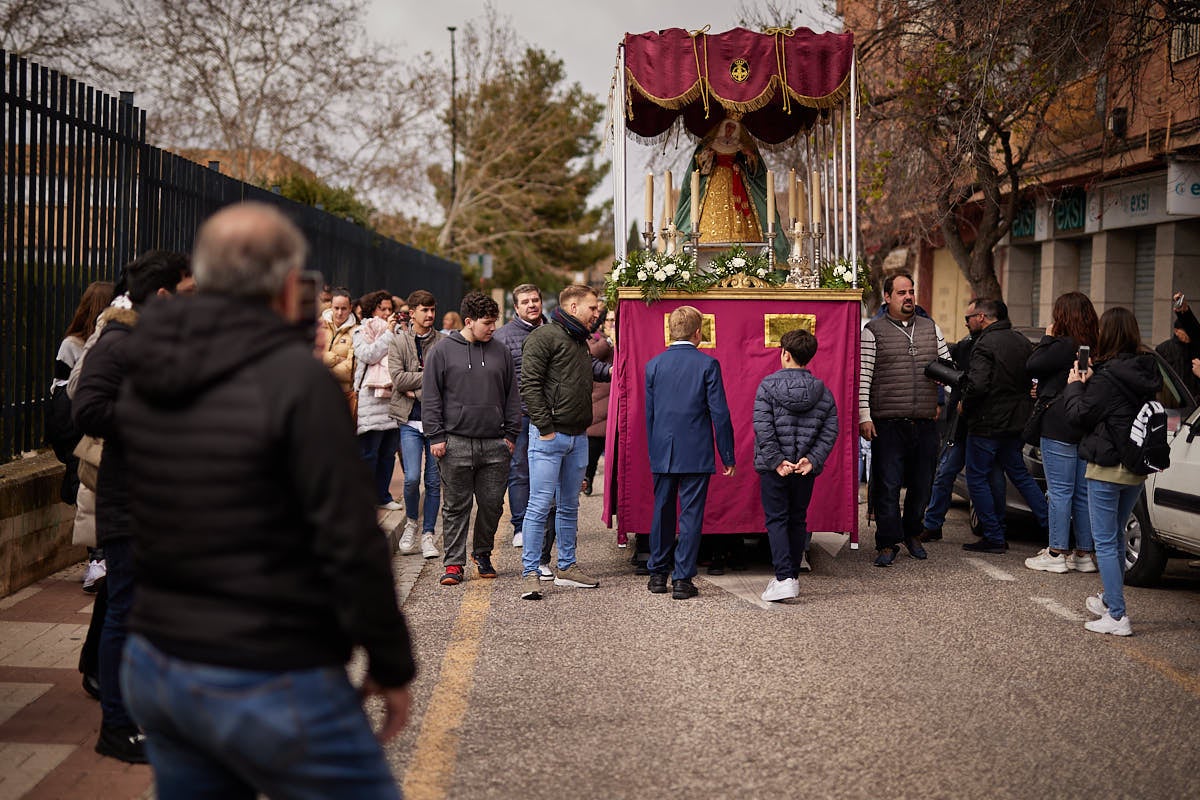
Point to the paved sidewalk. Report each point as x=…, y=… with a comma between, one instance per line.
x=48, y=724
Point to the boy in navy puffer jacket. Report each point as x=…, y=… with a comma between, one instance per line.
x=795, y=426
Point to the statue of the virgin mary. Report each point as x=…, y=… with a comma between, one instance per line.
x=733, y=190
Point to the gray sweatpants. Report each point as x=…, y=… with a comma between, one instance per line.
x=472, y=468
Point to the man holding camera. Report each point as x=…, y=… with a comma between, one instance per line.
x=997, y=404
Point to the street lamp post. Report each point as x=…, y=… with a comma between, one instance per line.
x=453, y=127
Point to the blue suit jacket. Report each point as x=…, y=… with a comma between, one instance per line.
x=685, y=403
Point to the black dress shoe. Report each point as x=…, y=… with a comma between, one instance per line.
x=683, y=589
x=886, y=556
x=717, y=567
x=914, y=548
x=986, y=546
x=91, y=685
x=640, y=568
x=931, y=535
x=657, y=583
x=123, y=744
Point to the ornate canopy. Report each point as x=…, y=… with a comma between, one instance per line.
x=701, y=78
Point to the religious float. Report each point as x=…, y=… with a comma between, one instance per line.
x=722, y=246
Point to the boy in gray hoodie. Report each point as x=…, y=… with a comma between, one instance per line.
x=471, y=413
x=795, y=427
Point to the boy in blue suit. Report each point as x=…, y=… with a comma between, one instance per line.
x=685, y=403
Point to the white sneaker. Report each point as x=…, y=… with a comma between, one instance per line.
x=781, y=590
x=1081, y=563
x=1095, y=604
x=392, y=505
x=1106, y=624
x=545, y=573
x=408, y=539
x=1045, y=561
x=804, y=565
x=518, y=539
x=95, y=571
x=428, y=548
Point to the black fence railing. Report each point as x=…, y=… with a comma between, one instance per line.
x=83, y=194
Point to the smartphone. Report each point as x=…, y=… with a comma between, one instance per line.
x=1084, y=358
x=310, y=284
x=1178, y=303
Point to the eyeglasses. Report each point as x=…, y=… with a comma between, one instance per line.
x=967, y=319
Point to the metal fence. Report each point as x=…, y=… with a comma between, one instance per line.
x=83, y=193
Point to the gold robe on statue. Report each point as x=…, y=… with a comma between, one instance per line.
x=727, y=214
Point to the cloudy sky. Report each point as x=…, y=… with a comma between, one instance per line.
x=583, y=34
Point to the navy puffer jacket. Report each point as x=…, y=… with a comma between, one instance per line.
x=794, y=416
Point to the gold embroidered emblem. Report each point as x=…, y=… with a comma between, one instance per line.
x=739, y=70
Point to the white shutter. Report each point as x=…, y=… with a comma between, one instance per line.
x=1085, y=265
x=1143, y=281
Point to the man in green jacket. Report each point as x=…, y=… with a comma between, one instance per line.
x=556, y=386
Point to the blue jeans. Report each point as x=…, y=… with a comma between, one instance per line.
x=118, y=556
x=1110, y=505
x=1067, y=495
x=378, y=449
x=785, y=500
x=216, y=732
x=414, y=446
x=518, y=477
x=903, y=454
x=555, y=475
x=983, y=454
x=953, y=458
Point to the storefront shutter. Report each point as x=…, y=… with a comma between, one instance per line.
x=1143, y=281
x=1085, y=265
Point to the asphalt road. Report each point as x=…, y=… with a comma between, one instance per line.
x=962, y=676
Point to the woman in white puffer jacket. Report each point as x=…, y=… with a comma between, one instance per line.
x=378, y=433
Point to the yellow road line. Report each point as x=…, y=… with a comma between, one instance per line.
x=1186, y=680
x=428, y=775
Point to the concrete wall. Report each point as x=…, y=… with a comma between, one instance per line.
x=35, y=526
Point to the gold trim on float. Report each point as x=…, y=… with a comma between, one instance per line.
x=708, y=331
x=776, y=293
x=776, y=325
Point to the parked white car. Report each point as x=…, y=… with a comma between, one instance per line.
x=1171, y=519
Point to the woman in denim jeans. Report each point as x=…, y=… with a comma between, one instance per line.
x=1072, y=323
x=1105, y=402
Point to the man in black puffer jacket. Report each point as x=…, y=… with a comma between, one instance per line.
x=996, y=403
x=259, y=561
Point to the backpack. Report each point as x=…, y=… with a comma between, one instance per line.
x=1146, y=449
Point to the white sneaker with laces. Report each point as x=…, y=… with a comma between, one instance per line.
x=1045, y=561
x=95, y=571
x=1081, y=563
x=781, y=590
x=518, y=539
x=408, y=539
x=392, y=505
x=428, y=548
x=1106, y=624
x=545, y=573
x=1095, y=604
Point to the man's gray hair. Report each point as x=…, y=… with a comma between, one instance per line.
x=247, y=250
x=525, y=288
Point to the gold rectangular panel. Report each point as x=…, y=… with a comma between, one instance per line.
x=708, y=331
x=776, y=325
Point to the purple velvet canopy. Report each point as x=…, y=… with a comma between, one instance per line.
x=702, y=77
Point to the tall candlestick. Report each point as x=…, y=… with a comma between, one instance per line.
x=695, y=200
x=816, y=197
x=650, y=200
x=770, y=198
x=801, y=203
x=791, y=195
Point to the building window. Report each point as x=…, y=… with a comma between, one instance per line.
x=1185, y=40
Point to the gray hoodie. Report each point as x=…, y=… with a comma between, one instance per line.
x=470, y=389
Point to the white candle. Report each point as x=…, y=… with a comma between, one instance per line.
x=816, y=197
x=791, y=195
x=770, y=198
x=668, y=205
x=801, y=202
x=650, y=200
x=695, y=201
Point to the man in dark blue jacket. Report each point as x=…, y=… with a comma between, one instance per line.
x=685, y=403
